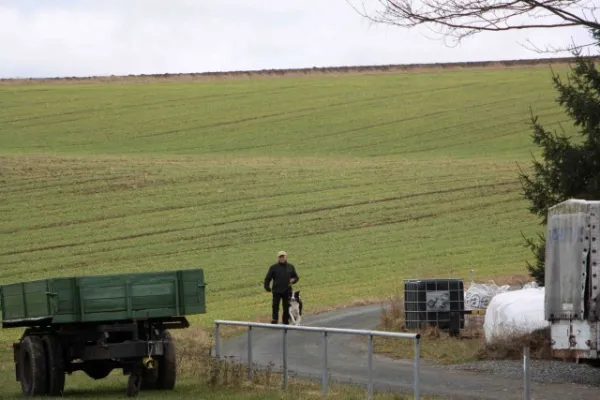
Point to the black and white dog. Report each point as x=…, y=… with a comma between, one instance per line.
x=295, y=309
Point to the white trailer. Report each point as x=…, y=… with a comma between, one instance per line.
x=572, y=279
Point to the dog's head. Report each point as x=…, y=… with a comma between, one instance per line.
x=295, y=297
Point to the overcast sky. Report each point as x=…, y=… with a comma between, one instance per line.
x=41, y=38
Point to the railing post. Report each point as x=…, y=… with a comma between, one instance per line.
x=526, y=374
x=416, y=388
x=285, y=366
x=370, y=368
x=325, y=378
x=250, y=353
x=217, y=342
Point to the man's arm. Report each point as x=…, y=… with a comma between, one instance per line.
x=268, y=279
x=295, y=277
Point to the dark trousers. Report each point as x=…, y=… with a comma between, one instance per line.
x=277, y=298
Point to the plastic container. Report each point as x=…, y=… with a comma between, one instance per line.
x=431, y=301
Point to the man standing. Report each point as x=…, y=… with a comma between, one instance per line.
x=283, y=275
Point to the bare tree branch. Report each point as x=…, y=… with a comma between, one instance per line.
x=462, y=18
x=549, y=49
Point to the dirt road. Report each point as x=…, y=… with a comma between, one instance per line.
x=347, y=362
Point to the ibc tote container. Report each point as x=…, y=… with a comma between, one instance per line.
x=430, y=301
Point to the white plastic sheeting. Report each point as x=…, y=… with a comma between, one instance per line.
x=479, y=295
x=515, y=312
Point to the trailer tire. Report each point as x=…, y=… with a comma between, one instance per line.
x=167, y=364
x=134, y=383
x=32, y=367
x=55, y=366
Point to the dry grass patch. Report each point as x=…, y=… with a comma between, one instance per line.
x=511, y=346
x=440, y=348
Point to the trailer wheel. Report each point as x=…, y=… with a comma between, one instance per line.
x=134, y=383
x=167, y=364
x=55, y=366
x=32, y=367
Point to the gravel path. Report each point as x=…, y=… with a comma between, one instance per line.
x=541, y=371
x=347, y=363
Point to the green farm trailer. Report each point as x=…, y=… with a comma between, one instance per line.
x=96, y=324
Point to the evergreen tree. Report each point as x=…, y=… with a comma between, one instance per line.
x=569, y=169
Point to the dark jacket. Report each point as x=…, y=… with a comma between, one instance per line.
x=281, y=275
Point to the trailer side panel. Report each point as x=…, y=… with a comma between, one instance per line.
x=119, y=297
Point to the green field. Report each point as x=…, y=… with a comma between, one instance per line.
x=364, y=179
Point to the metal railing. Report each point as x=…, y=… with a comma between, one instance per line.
x=326, y=331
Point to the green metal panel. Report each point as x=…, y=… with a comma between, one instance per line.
x=105, y=297
x=193, y=291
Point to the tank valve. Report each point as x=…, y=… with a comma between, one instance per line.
x=148, y=362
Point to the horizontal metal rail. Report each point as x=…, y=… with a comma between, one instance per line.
x=325, y=331
x=320, y=329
